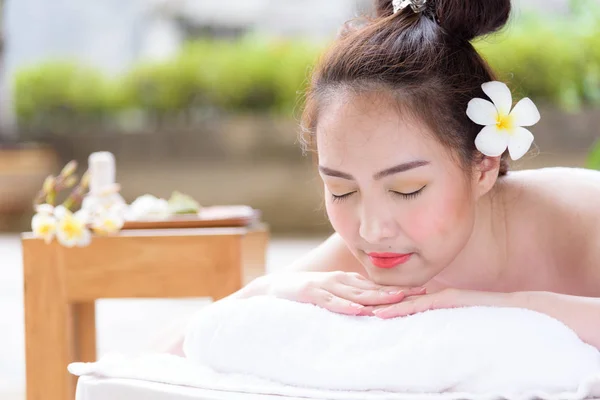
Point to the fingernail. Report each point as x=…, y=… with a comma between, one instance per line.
x=358, y=306
x=396, y=292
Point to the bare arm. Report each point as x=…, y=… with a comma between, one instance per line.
x=331, y=255
x=581, y=314
x=580, y=262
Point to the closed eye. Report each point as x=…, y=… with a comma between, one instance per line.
x=411, y=195
x=341, y=198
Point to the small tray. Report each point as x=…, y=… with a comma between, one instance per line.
x=208, y=217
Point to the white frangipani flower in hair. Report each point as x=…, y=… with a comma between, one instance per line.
x=503, y=127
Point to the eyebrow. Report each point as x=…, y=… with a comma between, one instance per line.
x=380, y=175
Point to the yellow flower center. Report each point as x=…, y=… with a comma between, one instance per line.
x=72, y=228
x=505, y=122
x=45, y=229
x=107, y=227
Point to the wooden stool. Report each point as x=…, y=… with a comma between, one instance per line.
x=62, y=285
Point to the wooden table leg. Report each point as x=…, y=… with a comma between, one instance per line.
x=85, y=331
x=48, y=325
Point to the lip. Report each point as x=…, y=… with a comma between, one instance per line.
x=388, y=260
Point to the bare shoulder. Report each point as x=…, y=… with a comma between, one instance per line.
x=559, y=184
x=562, y=207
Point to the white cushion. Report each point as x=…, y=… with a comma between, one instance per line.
x=506, y=351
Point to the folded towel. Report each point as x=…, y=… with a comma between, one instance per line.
x=272, y=346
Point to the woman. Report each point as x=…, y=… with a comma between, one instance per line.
x=413, y=157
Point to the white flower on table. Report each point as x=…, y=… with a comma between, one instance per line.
x=108, y=222
x=43, y=223
x=148, y=207
x=503, y=128
x=106, y=214
x=71, y=229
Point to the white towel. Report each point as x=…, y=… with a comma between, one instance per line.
x=271, y=346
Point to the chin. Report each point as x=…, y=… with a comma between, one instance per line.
x=389, y=278
x=410, y=274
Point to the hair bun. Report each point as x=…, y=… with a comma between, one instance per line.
x=468, y=19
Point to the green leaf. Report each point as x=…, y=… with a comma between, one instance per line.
x=181, y=203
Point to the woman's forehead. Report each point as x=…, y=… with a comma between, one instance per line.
x=369, y=129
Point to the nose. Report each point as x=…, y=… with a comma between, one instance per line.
x=378, y=225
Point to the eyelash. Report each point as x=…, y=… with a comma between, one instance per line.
x=342, y=198
x=404, y=196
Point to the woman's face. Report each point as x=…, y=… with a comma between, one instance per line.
x=402, y=204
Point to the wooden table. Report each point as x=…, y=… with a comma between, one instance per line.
x=62, y=285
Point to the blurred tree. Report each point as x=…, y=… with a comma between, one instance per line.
x=594, y=157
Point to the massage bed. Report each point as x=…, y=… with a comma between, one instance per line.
x=90, y=388
x=93, y=388
x=266, y=349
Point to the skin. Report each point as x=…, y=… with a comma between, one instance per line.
x=362, y=137
x=530, y=230
x=530, y=239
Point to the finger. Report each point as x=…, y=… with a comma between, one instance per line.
x=357, y=280
x=373, y=297
x=405, y=308
x=355, y=287
x=367, y=311
x=337, y=304
x=416, y=291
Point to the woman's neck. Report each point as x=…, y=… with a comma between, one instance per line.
x=483, y=260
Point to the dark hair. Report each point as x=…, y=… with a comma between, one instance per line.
x=424, y=60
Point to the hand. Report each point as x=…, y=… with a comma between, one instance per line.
x=340, y=292
x=447, y=298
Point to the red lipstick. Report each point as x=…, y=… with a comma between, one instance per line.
x=388, y=260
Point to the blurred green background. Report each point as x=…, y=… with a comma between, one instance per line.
x=219, y=119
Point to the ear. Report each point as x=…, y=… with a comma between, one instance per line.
x=486, y=175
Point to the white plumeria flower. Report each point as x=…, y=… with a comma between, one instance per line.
x=60, y=212
x=503, y=127
x=72, y=228
x=108, y=222
x=43, y=223
x=92, y=205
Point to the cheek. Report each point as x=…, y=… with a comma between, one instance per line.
x=444, y=216
x=342, y=218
